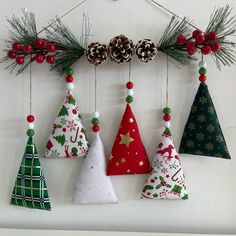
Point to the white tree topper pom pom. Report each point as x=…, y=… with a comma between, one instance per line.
x=70, y=86
x=167, y=124
x=130, y=92
x=202, y=64
x=96, y=114
x=31, y=125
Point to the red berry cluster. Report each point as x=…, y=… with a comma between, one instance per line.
x=40, y=50
x=206, y=43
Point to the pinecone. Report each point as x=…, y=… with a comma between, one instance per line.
x=121, y=49
x=146, y=50
x=97, y=53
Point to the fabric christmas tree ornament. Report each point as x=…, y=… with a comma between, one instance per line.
x=93, y=186
x=202, y=133
x=128, y=154
x=30, y=188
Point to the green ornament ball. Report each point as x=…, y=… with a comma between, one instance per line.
x=202, y=71
x=166, y=110
x=95, y=121
x=30, y=132
x=69, y=71
x=129, y=99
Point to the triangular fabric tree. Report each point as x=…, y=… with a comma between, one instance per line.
x=202, y=133
x=68, y=137
x=93, y=186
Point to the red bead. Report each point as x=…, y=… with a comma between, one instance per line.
x=200, y=39
x=129, y=85
x=30, y=118
x=51, y=47
x=50, y=59
x=16, y=47
x=166, y=117
x=11, y=54
x=196, y=33
x=212, y=35
x=95, y=128
x=202, y=78
x=69, y=79
x=192, y=50
x=180, y=39
x=27, y=48
x=39, y=58
x=20, y=60
x=206, y=49
x=215, y=47
x=38, y=43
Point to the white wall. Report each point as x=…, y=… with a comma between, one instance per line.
x=211, y=181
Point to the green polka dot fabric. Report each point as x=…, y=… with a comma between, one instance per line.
x=202, y=134
x=30, y=188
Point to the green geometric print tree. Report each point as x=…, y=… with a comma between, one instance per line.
x=30, y=188
x=202, y=134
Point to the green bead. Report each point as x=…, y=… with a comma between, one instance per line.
x=95, y=121
x=30, y=132
x=202, y=71
x=129, y=99
x=69, y=71
x=166, y=110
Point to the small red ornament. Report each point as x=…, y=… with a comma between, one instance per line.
x=215, y=47
x=50, y=59
x=38, y=43
x=11, y=54
x=20, y=60
x=30, y=118
x=166, y=117
x=200, y=39
x=27, y=48
x=191, y=50
x=64, y=129
x=51, y=47
x=206, y=49
x=16, y=47
x=129, y=85
x=196, y=33
x=180, y=39
x=202, y=78
x=39, y=58
x=69, y=79
x=95, y=128
x=212, y=35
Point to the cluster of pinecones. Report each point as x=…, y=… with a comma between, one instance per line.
x=121, y=49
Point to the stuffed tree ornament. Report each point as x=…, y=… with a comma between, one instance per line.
x=166, y=180
x=128, y=154
x=68, y=137
x=30, y=188
x=202, y=133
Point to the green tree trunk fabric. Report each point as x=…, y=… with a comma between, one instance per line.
x=30, y=188
x=202, y=134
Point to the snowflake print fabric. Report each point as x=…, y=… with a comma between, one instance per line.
x=68, y=137
x=166, y=180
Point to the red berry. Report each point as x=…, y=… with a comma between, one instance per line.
x=27, y=48
x=16, y=47
x=51, y=47
x=163, y=183
x=64, y=129
x=206, y=49
x=189, y=44
x=30, y=118
x=180, y=39
x=96, y=128
x=11, y=54
x=129, y=85
x=74, y=111
x=50, y=59
x=69, y=79
x=45, y=43
x=166, y=117
x=38, y=43
x=196, y=33
x=212, y=35
x=192, y=50
x=215, y=47
x=200, y=39
x=39, y=58
x=20, y=60
x=202, y=78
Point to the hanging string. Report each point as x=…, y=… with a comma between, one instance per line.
x=167, y=80
x=95, y=88
x=129, y=70
x=30, y=88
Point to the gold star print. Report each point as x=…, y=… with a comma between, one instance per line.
x=190, y=144
x=209, y=146
x=210, y=128
x=123, y=160
x=200, y=136
x=126, y=139
x=141, y=163
x=219, y=138
x=131, y=120
x=201, y=118
x=211, y=109
x=111, y=157
x=194, y=108
x=128, y=170
x=191, y=126
x=202, y=100
x=117, y=164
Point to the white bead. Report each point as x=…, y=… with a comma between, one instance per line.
x=31, y=125
x=130, y=92
x=96, y=114
x=202, y=64
x=167, y=124
x=70, y=86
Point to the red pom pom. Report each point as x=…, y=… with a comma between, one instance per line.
x=212, y=35
x=206, y=49
x=202, y=78
x=95, y=128
x=215, y=47
x=16, y=47
x=200, y=39
x=50, y=59
x=38, y=43
x=27, y=48
x=30, y=118
x=39, y=58
x=166, y=117
x=129, y=85
x=196, y=33
x=180, y=39
x=20, y=60
x=51, y=47
x=69, y=79
x=11, y=54
x=192, y=50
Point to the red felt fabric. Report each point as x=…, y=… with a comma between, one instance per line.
x=128, y=154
